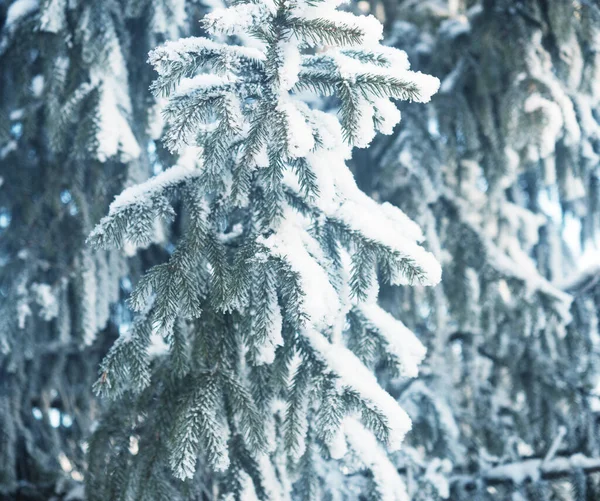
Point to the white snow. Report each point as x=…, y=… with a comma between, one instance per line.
x=53, y=18
x=390, y=485
x=299, y=134
x=371, y=28
x=114, y=134
x=235, y=20
x=338, y=447
x=436, y=474
x=248, y=492
x=46, y=300
x=37, y=85
x=270, y=482
x=553, y=122
x=291, y=242
x=401, y=341
x=353, y=374
x=23, y=311
x=290, y=67
x=388, y=115
x=18, y=10
x=204, y=82
x=141, y=193
x=366, y=127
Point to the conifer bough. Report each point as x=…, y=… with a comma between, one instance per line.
x=268, y=302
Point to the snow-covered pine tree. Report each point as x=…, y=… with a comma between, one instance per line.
x=267, y=304
x=75, y=112
x=501, y=171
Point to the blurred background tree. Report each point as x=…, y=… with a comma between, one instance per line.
x=77, y=124
x=502, y=172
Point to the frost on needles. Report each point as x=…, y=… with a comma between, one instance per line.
x=268, y=302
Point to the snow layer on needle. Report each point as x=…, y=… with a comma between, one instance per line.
x=291, y=243
x=53, y=17
x=114, y=134
x=553, y=122
x=235, y=20
x=397, y=58
x=186, y=168
x=384, y=224
x=180, y=50
x=270, y=482
x=401, y=341
x=350, y=69
x=389, y=483
x=203, y=82
x=300, y=139
x=366, y=128
x=18, y=10
x=388, y=115
x=370, y=27
x=291, y=58
x=248, y=491
x=353, y=374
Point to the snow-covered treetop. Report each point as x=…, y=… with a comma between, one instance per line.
x=278, y=234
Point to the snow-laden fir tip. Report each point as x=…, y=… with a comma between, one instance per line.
x=278, y=244
x=390, y=485
x=402, y=342
x=354, y=375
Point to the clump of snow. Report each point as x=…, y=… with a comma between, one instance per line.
x=248, y=492
x=366, y=127
x=53, y=17
x=390, y=485
x=158, y=346
x=23, y=311
x=185, y=169
x=235, y=20
x=270, y=483
x=291, y=242
x=517, y=472
x=353, y=374
x=37, y=85
x=114, y=134
x=299, y=134
x=338, y=447
x=203, y=82
x=290, y=67
x=436, y=474
x=46, y=299
x=388, y=115
x=401, y=341
x=18, y=10
x=553, y=122
x=371, y=28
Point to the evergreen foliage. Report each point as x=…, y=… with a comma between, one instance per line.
x=267, y=304
x=255, y=358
